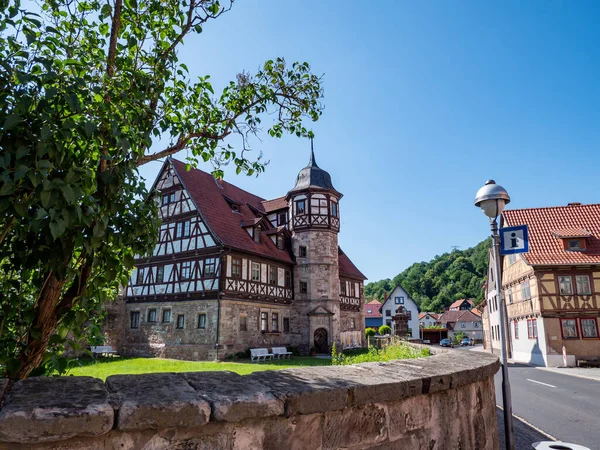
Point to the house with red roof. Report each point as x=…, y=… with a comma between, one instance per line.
x=427, y=319
x=373, y=316
x=463, y=304
x=233, y=271
x=552, y=292
x=464, y=321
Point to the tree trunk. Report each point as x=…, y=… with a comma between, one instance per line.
x=44, y=323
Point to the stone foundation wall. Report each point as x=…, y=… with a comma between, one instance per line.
x=234, y=340
x=164, y=339
x=445, y=401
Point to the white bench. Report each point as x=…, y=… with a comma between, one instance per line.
x=281, y=352
x=260, y=354
x=102, y=350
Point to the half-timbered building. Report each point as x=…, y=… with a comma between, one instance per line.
x=233, y=271
x=552, y=292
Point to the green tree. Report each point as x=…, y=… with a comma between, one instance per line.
x=434, y=285
x=88, y=91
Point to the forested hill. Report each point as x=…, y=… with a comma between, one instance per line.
x=434, y=285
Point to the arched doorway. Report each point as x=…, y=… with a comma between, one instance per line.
x=321, y=342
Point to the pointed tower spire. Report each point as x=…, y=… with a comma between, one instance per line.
x=313, y=161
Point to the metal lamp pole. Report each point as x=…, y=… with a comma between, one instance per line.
x=492, y=198
x=506, y=398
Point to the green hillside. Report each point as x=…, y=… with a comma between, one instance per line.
x=434, y=285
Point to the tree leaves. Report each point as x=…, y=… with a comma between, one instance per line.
x=73, y=133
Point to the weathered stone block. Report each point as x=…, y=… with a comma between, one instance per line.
x=356, y=427
x=233, y=397
x=157, y=400
x=307, y=391
x=51, y=409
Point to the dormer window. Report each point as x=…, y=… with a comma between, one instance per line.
x=280, y=242
x=256, y=233
x=235, y=208
x=574, y=244
x=282, y=219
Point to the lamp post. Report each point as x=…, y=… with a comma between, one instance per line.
x=492, y=198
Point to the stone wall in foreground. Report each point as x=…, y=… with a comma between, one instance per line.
x=445, y=401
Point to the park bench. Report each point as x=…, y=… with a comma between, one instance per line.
x=102, y=350
x=260, y=354
x=281, y=352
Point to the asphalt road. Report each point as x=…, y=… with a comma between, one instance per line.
x=566, y=407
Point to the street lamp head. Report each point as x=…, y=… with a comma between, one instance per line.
x=492, y=198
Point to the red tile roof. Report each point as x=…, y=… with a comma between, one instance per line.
x=347, y=268
x=457, y=303
x=275, y=204
x=224, y=223
x=375, y=307
x=459, y=316
x=545, y=248
x=432, y=315
x=211, y=198
x=571, y=233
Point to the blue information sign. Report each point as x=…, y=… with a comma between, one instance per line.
x=514, y=240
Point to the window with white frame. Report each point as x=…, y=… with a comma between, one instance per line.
x=274, y=322
x=210, y=267
x=462, y=325
x=525, y=290
x=166, y=316
x=273, y=275
x=589, y=328
x=510, y=296
x=399, y=300
x=255, y=271
x=186, y=270
x=180, y=321
x=516, y=328
x=532, y=328
x=512, y=259
x=569, y=328
x=583, y=285
x=565, y=285
x=264, y=321
x=152, y=315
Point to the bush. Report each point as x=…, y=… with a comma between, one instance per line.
x=369, y=332
x=389, y=353
x=385, y=329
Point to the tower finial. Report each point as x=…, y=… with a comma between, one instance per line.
x=313, y=161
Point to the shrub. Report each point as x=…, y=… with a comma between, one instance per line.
x=369, y=332
x=389, y=353
x=385, y=329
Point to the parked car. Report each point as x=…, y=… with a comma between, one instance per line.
x=446, y=343
x=466, y=341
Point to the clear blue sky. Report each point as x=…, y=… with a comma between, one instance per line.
x=424, y=101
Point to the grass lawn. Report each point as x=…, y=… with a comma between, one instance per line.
x=105, y=367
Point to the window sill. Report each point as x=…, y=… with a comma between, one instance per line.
x=271, y=332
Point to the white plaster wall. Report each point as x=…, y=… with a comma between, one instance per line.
x=409, y=304
x=530, y=351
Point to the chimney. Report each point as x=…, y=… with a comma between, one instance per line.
x=574, y=204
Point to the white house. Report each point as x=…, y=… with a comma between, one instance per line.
x=427, y=319
x=397, y=298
